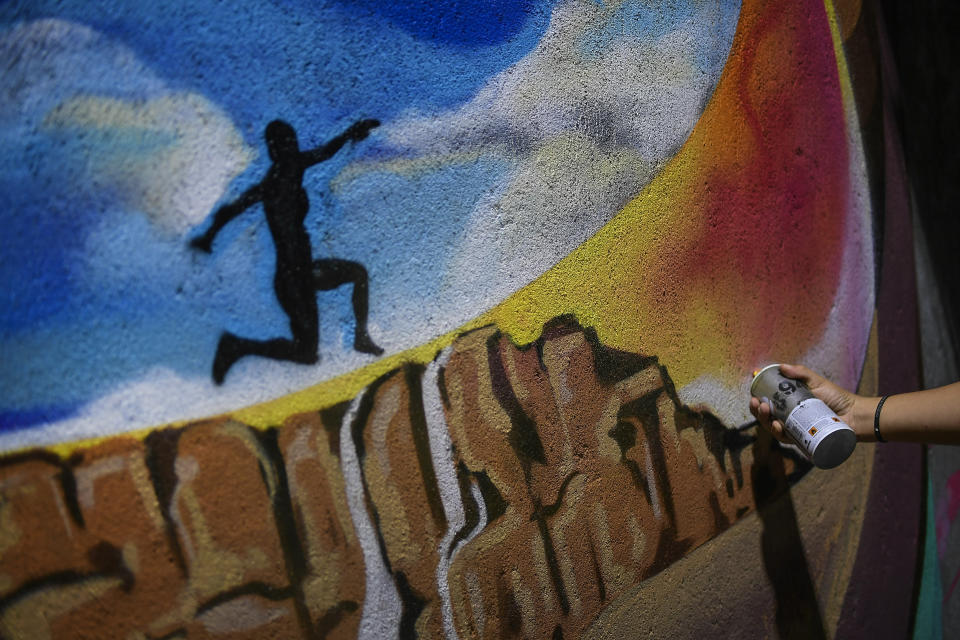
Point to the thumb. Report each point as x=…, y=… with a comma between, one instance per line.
x=800, y=372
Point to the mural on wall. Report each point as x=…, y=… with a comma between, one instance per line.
x=510, y=133
x=517, y=408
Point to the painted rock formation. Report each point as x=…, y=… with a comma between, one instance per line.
x=498, y=491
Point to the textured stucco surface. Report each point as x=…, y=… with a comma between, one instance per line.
x=476, y=350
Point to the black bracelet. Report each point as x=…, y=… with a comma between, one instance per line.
x=876, y=419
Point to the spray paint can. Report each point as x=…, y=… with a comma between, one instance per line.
x=817, y=430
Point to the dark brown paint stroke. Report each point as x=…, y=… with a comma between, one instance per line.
x=294, y=555
x=364, y=409
x=551, y=554
x=160, y=456
x=493, y=501
x=624, y=433
x=258, y=589
x=550, y=509
x=442, y=385
x=413, y=375
x=333, y=616
x=644, y=411
x=610, y=365
x=508, y=611
x=107, y=562
x=524, y=438
x=598, y=574
x=65, y=477
x=332, y=419
x=176, y=634
x=525, y=441
x=412, y=604
x=471, y=510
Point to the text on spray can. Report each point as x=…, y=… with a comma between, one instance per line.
x=808, y=421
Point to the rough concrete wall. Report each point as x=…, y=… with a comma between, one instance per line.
x=476, y=289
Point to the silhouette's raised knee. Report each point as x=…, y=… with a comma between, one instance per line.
x=306, y=350
x=330, y=273
x=357, y=273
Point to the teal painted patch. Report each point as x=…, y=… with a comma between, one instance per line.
x=929, y=620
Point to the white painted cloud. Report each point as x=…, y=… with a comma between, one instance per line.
x=46, y=61
x=587, y=127
x=161, y=396
x=167, y=154
x=169, y=157
x=584, y=129
x=639, y=94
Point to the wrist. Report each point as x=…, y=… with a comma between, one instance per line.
x=864, y=412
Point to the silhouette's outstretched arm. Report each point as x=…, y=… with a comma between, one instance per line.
x=225, y=214
x=355, y=132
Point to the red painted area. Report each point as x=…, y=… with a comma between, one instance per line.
x=947, y=508
x=749, y=240
x=775, y=207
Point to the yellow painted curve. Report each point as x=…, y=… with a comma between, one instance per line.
x=634, y=282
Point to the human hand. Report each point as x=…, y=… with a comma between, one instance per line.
x=361, y=129
x=202, y=243
x=842, y=402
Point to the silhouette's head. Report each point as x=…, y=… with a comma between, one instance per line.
x=281, y=140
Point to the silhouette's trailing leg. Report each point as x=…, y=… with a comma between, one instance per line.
x=227, y=353
x=231, y=348
x=330, y=273
x=365, y=344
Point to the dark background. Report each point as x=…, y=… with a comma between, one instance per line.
x=925, y=41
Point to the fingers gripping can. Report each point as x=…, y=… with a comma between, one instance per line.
x=817, y=430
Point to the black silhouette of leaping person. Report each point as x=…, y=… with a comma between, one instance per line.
x=298, y=276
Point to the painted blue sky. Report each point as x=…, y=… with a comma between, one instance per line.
x=124, y=124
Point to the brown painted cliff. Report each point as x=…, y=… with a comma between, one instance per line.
x=496, y=492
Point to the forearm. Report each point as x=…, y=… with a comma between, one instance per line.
x=355, y=132
x=931, y=416
x=231, y=210
x=336, y=144
x=327, y=151
x=223, y=216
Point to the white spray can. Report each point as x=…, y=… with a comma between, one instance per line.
x=808, y=421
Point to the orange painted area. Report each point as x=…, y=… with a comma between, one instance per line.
x=729, y=258
x=733, y=252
